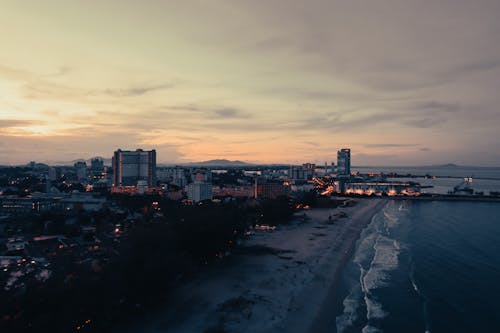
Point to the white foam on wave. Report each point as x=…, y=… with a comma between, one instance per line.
x=412, y=279
x=376, y=255
x=384, y=261
x=350, y=315
x=371, y=329
x=402, y=207
x=391, y=218
x=364, y=250
x=415, y=287
x=364, y=254
x=374, y=309
x=363, y=258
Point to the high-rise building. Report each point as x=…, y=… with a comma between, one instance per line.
x=81, y=170
x=175, y=176
x=97, y=165
x=344, y=162
x=198, y=191
x=133, y=167
x=201, y=175
x=52, y=173
x=309, y=170
x=306, y=172
x=97, y=170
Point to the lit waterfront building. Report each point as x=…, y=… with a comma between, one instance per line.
x=131, y=168
x=344, y=162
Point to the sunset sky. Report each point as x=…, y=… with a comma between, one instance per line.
x=399, y=82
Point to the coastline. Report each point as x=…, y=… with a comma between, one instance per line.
x=320, y=317
x=280, y=281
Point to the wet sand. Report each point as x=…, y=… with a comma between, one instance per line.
x=281, y=281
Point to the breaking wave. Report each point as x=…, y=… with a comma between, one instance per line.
x=377, y=254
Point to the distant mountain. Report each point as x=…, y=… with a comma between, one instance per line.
x=107, y=161
x=448, y=165
x=219, y=162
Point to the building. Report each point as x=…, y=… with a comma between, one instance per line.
x=198, y=191
x=81, y=170
x=304, y=172
x=309, y=170
x=344, y=162
x=52, y=174
x=97, y=165
x=131, y=168
x=296, y=173
x=29, y=205
x=201, y=175
x=175, y=176
x=274, y=190
x=82, y=201
x=242, y=191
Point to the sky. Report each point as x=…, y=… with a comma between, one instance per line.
x=400, y=82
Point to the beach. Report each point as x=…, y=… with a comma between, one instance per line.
x=281, y=280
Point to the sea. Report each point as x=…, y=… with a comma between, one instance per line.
x=484, y=179
x=425, y=266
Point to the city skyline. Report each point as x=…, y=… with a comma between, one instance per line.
x=281, y=82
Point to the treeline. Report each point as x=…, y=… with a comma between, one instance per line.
x=148, y=263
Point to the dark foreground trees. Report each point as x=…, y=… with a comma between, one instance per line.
x=93, y=294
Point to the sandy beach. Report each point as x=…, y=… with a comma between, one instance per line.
x=280, y=281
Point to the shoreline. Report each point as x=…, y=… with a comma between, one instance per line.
x=322, y=319
x=280, y=281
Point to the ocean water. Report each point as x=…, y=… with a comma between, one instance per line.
x=485, y=179
x=425, y=267
x=453, y=171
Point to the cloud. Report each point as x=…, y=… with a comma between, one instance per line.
x=60, y=72
x=9, y=123
x=386, y=73
x=438, y=106
x=472, y=67
x=229, y=113
x=187, y=107
x=137, y=90
x=389, y=145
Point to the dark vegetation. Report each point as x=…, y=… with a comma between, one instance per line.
x=155, y=255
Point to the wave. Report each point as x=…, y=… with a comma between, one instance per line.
x=350, y=315
x=384, y=261
x=374, y=309
x=402, y=207
x=377, y=254
x=423, y=299
x=363, y=257
x=371, y=329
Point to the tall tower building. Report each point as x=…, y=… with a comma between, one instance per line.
x=344, y=162
x=133, y=167
x=81, y=170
